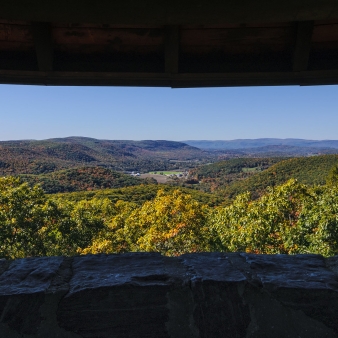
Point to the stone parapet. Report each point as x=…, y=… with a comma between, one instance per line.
x=149, y=295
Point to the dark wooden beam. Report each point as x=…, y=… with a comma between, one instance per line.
x=169, y=80
x=171, y=48
x=164, y=12
x=43, y=45
x=302, y=46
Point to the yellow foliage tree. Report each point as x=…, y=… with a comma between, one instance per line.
x=172, y=224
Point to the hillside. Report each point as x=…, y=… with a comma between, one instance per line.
x=215, y=176
x=139, y=194
x=308, y=170
x=37, y=157
x=82, y=179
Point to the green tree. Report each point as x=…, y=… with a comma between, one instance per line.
x=267, y=225
x=332, y=178
x=118, y=235
x=78, y=223
x=23, y=212
x=318, y=222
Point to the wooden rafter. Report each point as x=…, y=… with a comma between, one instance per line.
x=43, y=45
x=171, y=42
x=170, y=80
x=302, y=46
x=174, y=12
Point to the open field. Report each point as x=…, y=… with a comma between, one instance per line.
x=159, y=178
x=165, y=172
x=250, y=170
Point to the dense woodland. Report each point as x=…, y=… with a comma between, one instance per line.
x=46, y=156
x=289, y=218
x=41, y=157
x=140, y=194
x=215, y=176
x=236, y=176
x=83, y=179
x=76, y=204
x=308, y=170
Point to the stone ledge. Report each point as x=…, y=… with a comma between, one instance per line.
x=149, y=295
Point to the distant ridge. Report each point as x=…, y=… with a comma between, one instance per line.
x=43, y=156
x=260, y=142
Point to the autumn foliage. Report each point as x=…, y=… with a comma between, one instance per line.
x=290, y=218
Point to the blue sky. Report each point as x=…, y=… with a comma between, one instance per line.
x=39, y=112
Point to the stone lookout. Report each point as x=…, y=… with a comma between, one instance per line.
x=177, y=43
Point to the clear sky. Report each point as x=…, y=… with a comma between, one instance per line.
x=39, y=112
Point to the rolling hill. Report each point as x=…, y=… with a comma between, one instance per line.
x=215, y=176
x=232, y=177
x=139, y=194
x=308, y=170
x=83, y=179
x=37, y=157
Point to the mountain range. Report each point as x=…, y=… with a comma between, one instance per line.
x=36, y=157
x=261, y=142
x=46, y=156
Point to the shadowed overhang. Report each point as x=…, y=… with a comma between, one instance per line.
x=169, y=43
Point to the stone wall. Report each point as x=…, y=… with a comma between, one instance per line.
x=149, y=295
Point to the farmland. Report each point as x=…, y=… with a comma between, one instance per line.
x=167, y=173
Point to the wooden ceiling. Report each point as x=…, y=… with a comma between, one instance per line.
x=186, y=43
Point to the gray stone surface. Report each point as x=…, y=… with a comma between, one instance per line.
x=30, y=275
x=119, y=295
x=149, y=295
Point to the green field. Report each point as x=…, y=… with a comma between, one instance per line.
x=165, y=172
x=249, y=170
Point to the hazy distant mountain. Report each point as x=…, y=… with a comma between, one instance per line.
x=276, y=150
x=261, y=142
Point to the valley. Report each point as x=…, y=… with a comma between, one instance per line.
x=80, y=195
x=223, y=168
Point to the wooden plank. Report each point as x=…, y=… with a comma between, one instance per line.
x=14, y=32
x=106, y=36
x=220, y=36
x=237, y=40
x=164, y=12
x=105, y=26
x=171, y=47
x=42, y=37
x=170, y=80
x=237, y=25
x=15, y=46
x=302, y=46
x=325, y=33
x=106, y=49
x=325, y=37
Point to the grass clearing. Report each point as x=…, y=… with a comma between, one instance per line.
x=249, y=170
x=167, y=173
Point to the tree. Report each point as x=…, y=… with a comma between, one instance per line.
x=118, y=235
x=78, y=224
x=332, y=179
x=23, y=212
x=318, y=222
x=267, y=225
x=171, y=224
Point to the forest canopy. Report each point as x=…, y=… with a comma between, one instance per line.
x=289, y=218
